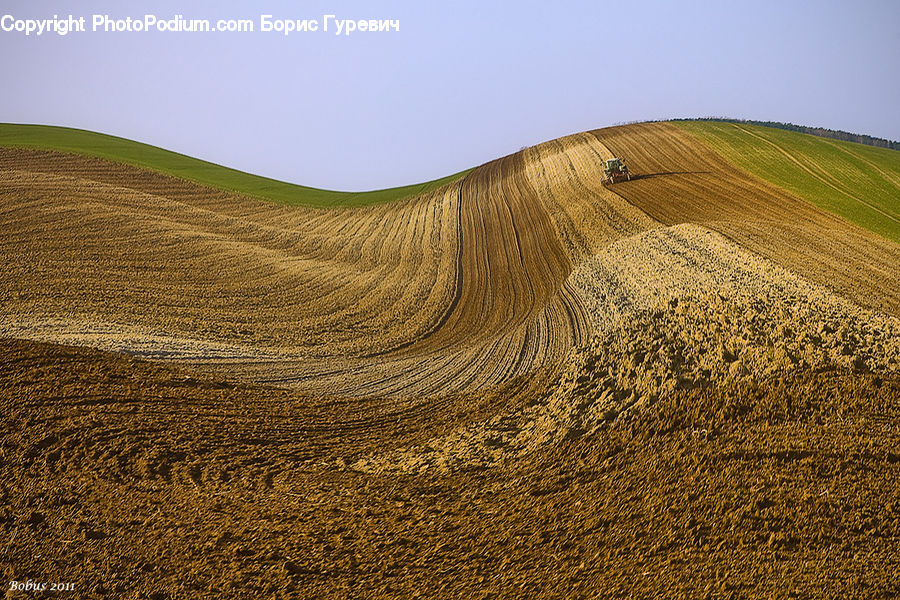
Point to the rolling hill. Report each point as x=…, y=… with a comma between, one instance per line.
x=515, y=381
x=857, y=182
x=120, y=150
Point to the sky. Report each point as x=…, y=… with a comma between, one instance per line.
x=460, y=82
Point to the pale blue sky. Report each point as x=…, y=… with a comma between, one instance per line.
x=459, y=84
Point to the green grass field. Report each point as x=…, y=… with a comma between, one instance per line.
x=118, y=149
x=860, y=183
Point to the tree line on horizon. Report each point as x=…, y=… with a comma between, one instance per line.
x=834, y=134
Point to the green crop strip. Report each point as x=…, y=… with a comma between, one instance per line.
x=78, y=141
x=860, y=183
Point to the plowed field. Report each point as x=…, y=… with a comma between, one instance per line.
x=683, y=181
x=521, y=383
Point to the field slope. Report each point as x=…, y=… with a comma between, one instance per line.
x=860, y=183
x=89, y=143
x=684, y=180
x=518, y=382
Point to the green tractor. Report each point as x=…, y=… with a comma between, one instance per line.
x=616, y=171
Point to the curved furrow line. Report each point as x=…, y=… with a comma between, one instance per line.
x=510, y=263
x=127, y=241
x=455, y=287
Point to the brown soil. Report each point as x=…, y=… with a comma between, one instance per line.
x=683, y=181
x=136, y=481
x=524, y=384
x=435, y=287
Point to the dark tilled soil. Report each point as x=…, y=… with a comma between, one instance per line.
x=135, y=480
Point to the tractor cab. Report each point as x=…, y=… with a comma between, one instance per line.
x=616, y=171
x=614, y=165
